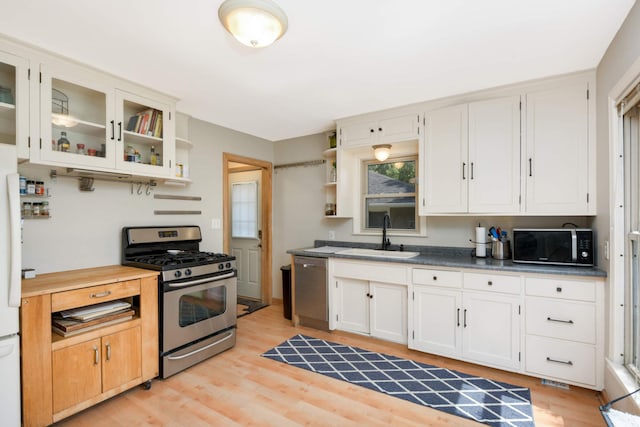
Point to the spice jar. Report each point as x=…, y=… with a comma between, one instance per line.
x=35, y=210
x=92, y=152
x=63, y=142
x=44, y=209
x=131, y=154
x=26, y=209
x=23, y=185
x=31, y=187
x=80, y=149
x=39, y=188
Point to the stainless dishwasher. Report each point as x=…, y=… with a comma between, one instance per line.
x=311, y=292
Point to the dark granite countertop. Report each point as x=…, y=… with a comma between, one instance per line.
x=436, y=256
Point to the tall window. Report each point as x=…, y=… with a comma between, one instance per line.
x=390, y=189
x=632, y=229
x=244, y=210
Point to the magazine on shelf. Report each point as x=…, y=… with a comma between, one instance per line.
x=89, y=328
x=69, y=324
x=93, y=311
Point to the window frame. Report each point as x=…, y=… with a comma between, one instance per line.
x=364, y=183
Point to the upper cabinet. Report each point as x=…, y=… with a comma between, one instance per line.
x=387, y=129
x=87, y=122
x=559, y=151
x=14, y=102
x=471, y=158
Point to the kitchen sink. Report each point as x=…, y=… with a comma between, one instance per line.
x=379, y=253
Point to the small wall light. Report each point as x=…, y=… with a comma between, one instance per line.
x=255, y=23
x=381, y=152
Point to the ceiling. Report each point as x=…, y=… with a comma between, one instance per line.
x=339, y=57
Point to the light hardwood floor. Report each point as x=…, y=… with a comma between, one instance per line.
x=240, y=388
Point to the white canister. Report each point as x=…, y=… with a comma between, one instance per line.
x=481, y=242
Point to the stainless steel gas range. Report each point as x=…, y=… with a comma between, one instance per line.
x=197, y=293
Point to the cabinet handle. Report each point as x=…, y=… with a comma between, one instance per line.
x=372, y=130
x=108, y=346
x=560, y=321
x=379, y=129
x=568, y=362
x=435, y=278
x=530, y=168
x=471, y=170
x=464, y=165
x=101, y=294
x=458, y=318
x=96, y=355
x=113, y=130
x=119, y=131
x=490, y=283
x=558, y=289
x=464, y=318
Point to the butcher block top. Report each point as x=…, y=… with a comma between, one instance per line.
x=49, y=283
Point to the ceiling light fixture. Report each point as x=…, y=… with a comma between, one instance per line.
x=255, y=23
x=382, y=151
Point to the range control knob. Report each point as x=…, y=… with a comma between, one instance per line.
x=585, y=254
x=221, y=266
x=187, y=272
x=228, y=265
x=177, y=273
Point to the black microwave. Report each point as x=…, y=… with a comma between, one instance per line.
x=561, y=246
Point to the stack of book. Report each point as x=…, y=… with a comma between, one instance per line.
x=147, y=122
x=72, y=322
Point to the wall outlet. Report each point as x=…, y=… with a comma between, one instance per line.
x=332, y=235
x=216, y=224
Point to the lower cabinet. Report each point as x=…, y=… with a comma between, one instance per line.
x=475, y=326
x=372, y=308
x=83, y=371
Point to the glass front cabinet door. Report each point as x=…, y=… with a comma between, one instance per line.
x=14, y=102
x=86, y=122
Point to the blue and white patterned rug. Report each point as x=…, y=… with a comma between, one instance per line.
x=489, y=402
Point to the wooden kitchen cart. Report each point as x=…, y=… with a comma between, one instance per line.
x=64, y=375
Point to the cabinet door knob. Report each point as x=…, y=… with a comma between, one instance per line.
x=372, y=130
x=490, y=283
x=108, y=346
x=435, y=278
x=379, y=129
x=558, y=289
x=96, y=355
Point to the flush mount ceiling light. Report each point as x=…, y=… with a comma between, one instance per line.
x=382, y=151
x=255, y=23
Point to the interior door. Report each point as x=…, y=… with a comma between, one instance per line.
x=246, y=231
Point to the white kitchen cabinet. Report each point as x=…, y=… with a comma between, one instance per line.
x=471, y=158
x=481, y=327
x=90, y=108
x=387, y=129
x=564, y=327
x=558, y=149
x=183, y=150
x=373, y=308
x=14, y=102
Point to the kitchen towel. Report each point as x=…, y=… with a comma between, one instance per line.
x=487, y=401
x=481, y=240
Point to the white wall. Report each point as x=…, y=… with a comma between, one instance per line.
x=85, y=228
x=623, y=51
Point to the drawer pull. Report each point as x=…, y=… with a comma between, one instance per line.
x=490, y=283
x=96, y=356
x=558, y=289
x=568, y=362
x=435, y=278
x=560, y=321
x=108, y=351
x=101, y=294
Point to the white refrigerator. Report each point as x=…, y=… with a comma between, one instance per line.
x=10, y=286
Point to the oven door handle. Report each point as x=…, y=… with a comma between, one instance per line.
x=200, y=349
x=205, y=280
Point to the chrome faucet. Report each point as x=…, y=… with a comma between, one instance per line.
x=386, y=222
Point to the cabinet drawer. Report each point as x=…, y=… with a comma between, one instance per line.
x=581, y=290
x=492, y=282
x=567, y=320
x=564, y=360
x=94, y=295
x=449, y=279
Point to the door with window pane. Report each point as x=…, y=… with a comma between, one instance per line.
x=246, y=231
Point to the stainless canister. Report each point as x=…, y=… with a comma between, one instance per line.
x=501, y=249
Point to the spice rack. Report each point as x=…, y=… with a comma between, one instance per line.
x=30, y=190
